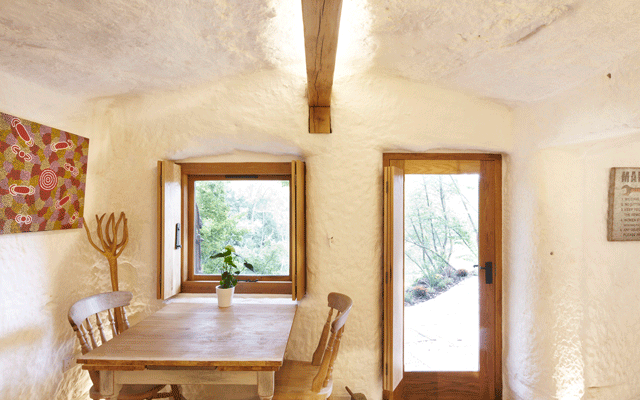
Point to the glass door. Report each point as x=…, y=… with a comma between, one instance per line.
x=451, y=341
x=441, y=315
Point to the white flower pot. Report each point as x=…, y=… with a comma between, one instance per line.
x=225, y=296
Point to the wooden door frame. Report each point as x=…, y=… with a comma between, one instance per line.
x=397, y=159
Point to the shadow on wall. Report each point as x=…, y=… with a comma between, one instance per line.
x=24, y=337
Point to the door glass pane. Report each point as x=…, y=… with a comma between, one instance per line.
x=252, y=216
x=441, y=283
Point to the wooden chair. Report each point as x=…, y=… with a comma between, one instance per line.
x=110, y=305
x=300, y=380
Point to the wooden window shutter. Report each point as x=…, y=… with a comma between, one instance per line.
x=298, y=231
x=170, y=229
x=393, y=280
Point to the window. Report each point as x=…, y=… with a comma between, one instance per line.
x=256, y=207
x=250, y=214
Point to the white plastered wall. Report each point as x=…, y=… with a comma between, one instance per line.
x=256, y=117
x=571, y=297
x=570, y=300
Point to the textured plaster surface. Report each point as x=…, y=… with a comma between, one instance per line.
x=227, y=123
x=571, y=295
x=225, y=81
x=515, y=51
x=518, y=51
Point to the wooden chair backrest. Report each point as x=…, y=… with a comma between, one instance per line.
x=109, y=304
x=327, y=350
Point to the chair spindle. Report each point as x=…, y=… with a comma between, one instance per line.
x=89, y=329
x=322, y=344
x=318, y=380
x=81, y=334
x=334, y=355
x=124, y=318
x=101, y=328
x=112, y=322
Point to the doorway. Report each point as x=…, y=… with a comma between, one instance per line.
x=442, y=278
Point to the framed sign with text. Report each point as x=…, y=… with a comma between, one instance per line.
x=623, y=220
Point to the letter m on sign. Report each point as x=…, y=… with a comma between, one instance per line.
x=625, y=176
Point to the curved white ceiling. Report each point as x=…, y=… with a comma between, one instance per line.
x=516, y=51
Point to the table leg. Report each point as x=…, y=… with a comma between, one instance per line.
x=116, y=392
x=265, y=384
x=108, y=388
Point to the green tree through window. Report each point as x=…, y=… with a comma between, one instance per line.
x=441, y=224
x=252, y=216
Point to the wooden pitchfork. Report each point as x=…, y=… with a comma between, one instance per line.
x=112, y=247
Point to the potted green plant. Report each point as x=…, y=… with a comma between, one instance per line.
x=230, y=269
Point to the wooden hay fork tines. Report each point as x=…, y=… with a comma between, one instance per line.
x=112, y=247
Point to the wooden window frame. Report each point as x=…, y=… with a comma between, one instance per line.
x=189, y=282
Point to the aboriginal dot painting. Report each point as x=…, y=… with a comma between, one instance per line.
x=43, y=177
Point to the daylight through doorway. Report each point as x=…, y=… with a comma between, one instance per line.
x=441, y=331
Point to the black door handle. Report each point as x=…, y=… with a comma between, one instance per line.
x=488, y=272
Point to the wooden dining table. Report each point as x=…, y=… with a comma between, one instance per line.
x=197, y=343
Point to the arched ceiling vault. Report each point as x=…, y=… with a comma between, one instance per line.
x=513, y=51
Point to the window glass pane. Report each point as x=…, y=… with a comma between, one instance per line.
x=252, y=216
x=441, y=315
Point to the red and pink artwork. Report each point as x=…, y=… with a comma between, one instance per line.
x=43, y=177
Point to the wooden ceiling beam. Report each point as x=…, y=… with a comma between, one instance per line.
x=321, y=19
